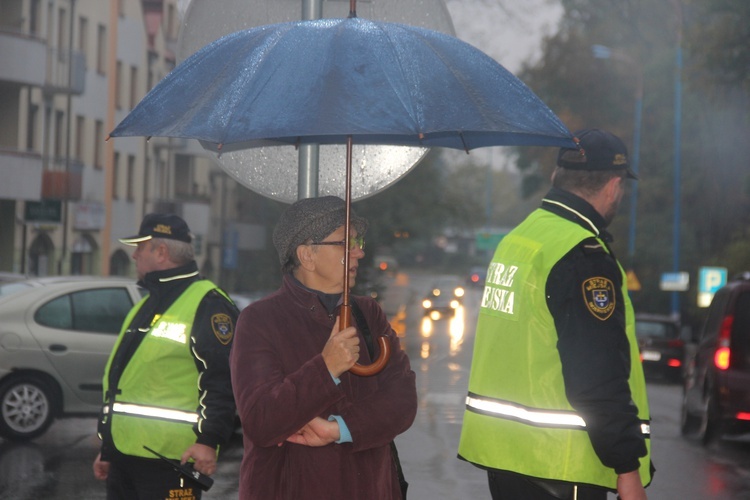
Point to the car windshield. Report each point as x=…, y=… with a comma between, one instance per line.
x=655, y=329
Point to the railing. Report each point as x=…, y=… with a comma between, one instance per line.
x=59, y=63
x=63, y=183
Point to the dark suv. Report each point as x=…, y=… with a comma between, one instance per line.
x=716, y=397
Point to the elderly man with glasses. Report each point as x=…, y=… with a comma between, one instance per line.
x=312, y=429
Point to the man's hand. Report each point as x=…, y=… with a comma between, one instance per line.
x=629, y=486
x=317, y=432
x=204, y=456
x=342, y=349
x=101, y=469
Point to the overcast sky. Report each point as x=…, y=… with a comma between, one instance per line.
x=508, y=35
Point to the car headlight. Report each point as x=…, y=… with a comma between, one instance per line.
x=426, y=303
x=459, y=291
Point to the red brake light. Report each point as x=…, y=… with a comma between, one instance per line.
x=383, y=266
x=674, y=363
x=721, y=356
x=474, y=278
x=743, y=415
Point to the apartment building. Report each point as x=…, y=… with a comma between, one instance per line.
x=70, y=70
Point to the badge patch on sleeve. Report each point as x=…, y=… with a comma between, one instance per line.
x=599, y=295
x=222, y=327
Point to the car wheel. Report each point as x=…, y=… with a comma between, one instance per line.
x=689, y=424
x=709, y=429
x=26, y=408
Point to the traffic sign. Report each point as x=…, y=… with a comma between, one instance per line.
x=710, y=279
x=675, y=282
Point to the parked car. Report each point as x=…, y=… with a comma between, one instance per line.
x=56, y=335
x=661, y=346
x=444, y=297
x=716, y=396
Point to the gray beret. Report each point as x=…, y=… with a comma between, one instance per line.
x=311, y=219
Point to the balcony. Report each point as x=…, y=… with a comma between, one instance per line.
x=59, y=63
x=22, y=59
x=21, y=174
x=26, y=60
x=63, y=184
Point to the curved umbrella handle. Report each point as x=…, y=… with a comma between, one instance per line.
x=377, y=365
x=385, y=348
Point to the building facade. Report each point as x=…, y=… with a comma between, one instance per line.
x=70, y=70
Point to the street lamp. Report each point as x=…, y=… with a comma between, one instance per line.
x=603, y=52
x=677, y=161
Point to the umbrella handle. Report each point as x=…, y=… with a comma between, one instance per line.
x=376, y=366
x=385, y=349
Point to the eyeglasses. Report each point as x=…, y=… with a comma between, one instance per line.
x=354, y=242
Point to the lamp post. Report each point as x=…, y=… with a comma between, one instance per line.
x=603, y=52
x=676, y=155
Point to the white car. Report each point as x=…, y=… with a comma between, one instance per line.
x=56, y=335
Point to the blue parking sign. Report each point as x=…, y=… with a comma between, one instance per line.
x=711, y=279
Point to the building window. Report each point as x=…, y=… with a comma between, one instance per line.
x=118, y=85
x=101, y=48
x=80, y=136
x=183, y=179
x=59, y=129
x=98, y=144
x=115, y=175
x=133, y=86
x=31, y=127
x=83, y=38
x=34, y=14
x=62, y=31
x=171, y=22
x=130, y=181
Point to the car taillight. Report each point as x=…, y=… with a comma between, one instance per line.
x=721, y=356
x=674, y=363
x=743, y=415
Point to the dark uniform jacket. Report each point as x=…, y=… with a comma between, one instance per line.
x=595, y=354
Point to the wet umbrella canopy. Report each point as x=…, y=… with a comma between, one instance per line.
x=344, y=81
x=325, y=80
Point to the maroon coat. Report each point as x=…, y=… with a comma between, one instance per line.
x=281, y=382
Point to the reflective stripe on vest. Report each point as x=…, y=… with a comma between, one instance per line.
x=531, y=416
x=153, y=412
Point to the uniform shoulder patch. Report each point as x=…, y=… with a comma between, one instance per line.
x=599, y=296
x=223, y=328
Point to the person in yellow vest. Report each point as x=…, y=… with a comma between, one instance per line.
x=167, y=384
x=557, y=405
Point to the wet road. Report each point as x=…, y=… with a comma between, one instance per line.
x=58, y=464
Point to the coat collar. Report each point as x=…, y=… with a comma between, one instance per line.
x=575, y=209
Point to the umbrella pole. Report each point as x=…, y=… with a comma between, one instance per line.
x=345, y=315
x=346, y=308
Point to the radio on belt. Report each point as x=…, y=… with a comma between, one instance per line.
x=186, y=470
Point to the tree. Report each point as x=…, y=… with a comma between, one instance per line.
x=587, y=92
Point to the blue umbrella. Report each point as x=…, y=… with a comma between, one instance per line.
x=334, y=81
x=322, y=81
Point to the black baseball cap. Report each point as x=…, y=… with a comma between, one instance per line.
x=168, y=226
x=598, y=150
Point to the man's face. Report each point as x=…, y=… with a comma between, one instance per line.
x=328, y=275
x=146, y=257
